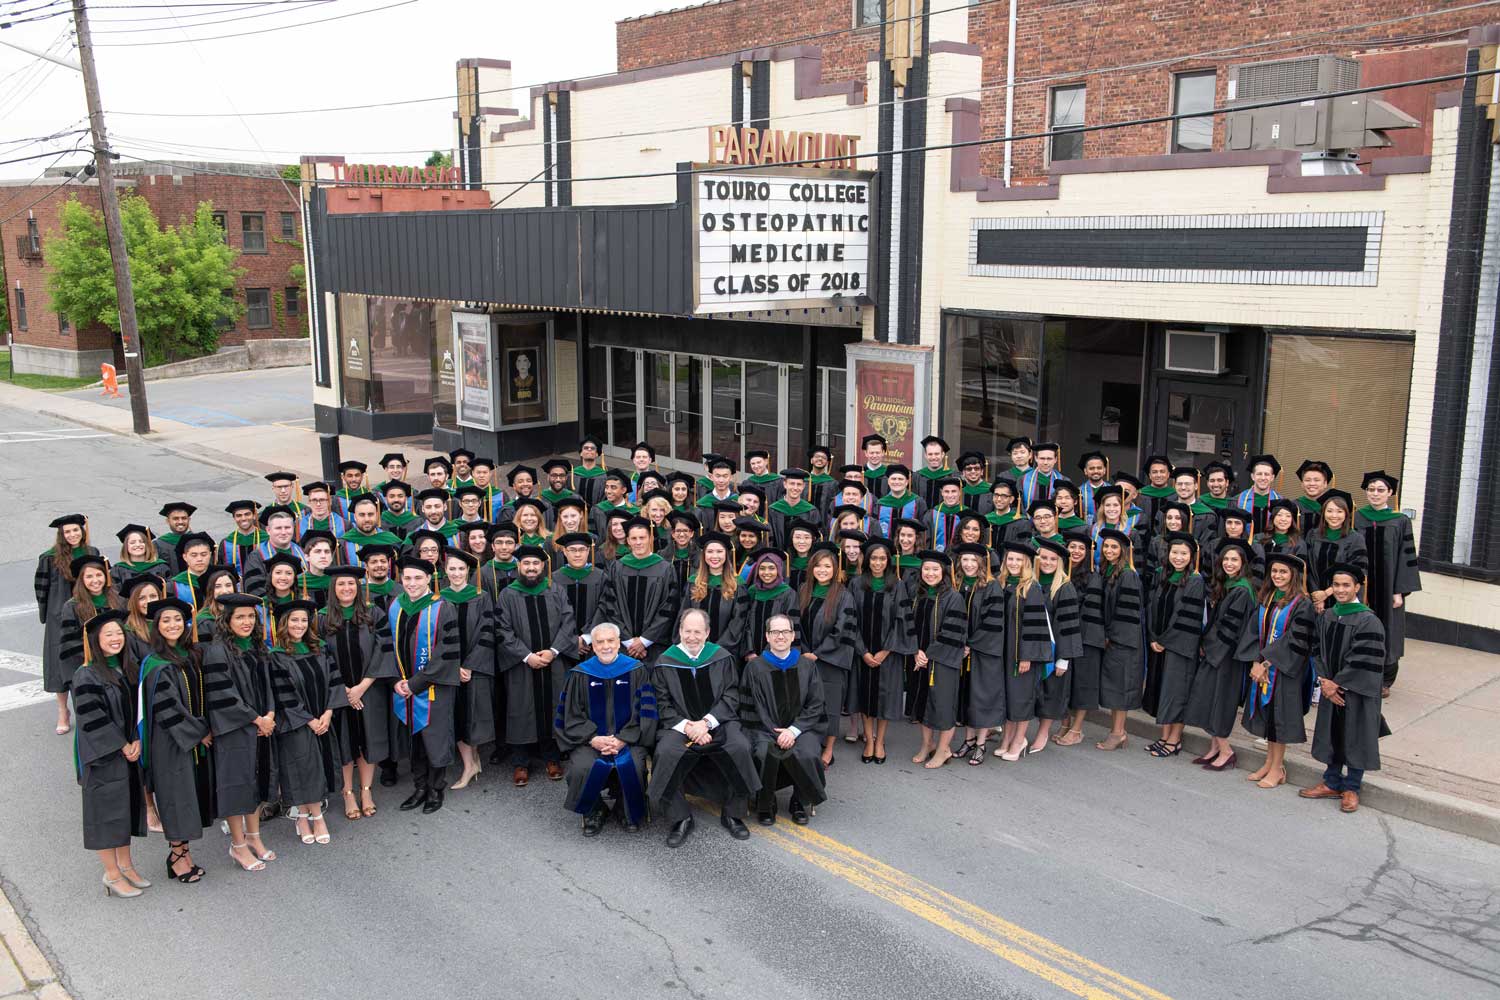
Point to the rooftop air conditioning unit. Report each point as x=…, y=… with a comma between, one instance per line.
x=1313, y=124
x=1199, y=352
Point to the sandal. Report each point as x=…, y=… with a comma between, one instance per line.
x=322, y=838
x=977, y=755
x=305, y=823
x=254, y=866
x=1069, y=737
x=351, y=811
x=368, y=810
x=939, y=757
x=964, y=748
x=1113, y=741
x=1166, y=749
x=263, y=854
x=193, y=874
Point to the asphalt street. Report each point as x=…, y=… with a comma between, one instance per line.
x=231, y=399
x=1072, y=873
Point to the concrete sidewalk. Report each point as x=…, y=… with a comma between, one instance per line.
x=1441, y=762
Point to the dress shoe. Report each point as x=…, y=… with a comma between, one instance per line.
x=766, y=818
x=594, y=821
x=416, y=798
x=554, y=770
x=434, y=801
x=1349, y=802
x=797, y=811
x=737, y=828
x=388, y=775
x=520, y=776
x=497, y=756
x=680, y=831
x=1318, y=791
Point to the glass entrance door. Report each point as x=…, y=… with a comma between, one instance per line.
x=657, y=400
x=1197, y=423
x=688, y=408
x=763, y=409
x=726, y=406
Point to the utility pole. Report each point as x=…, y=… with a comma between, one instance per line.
x=104, y=163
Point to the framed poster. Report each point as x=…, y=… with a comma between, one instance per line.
x=524, y=344
x=474, y=350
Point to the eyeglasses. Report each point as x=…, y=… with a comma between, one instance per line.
x=779, y=631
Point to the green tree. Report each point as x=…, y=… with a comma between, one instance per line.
x=292, y=172
x=183, y=277
x=439, y=159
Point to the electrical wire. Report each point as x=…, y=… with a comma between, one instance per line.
x=31, y=183
x=261, y=31
x=203, y=24
x=939, y=147
x=229, y=9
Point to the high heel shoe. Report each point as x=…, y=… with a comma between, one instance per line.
x=1017, y=754
x=368, y=810
x=467, y=777
x=254, y=866
x=1114, y=741
x=321, y=838
x=134, y=877
x=1280, y=780
x=121, y=887
x=306, y=838
x=264, y=855
x=1227, y=763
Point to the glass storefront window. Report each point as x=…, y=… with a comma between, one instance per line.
x=836, y=408
x=401, y=344
x=1092, y=395
x=991, y=381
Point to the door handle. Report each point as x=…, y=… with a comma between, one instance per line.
x=739, y=428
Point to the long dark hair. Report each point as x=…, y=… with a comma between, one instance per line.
x=1297, y=588
x=333, y=613
x=224, y=635
x=62, y=553
x=831, y=599
x=183, y=650
x=1220, y=585
x=83, y=601
x=94, y=654
x=1347, y=527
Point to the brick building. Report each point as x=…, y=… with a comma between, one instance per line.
x=260, y=216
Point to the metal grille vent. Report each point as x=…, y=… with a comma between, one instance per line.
x=1280, y=78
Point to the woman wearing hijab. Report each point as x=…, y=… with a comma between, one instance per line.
x=767, y=594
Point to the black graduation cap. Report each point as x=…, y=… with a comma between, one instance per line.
x=348, y=464
x=1116, y=535
x=398, y=485
x=849, y=535
x=618, y=477
x=221, y=568
x=654, y=495
x=636, y=521
x=574, y=538
x=906, y=522
x=1005, y=483
x=934, y=439
x=278, y=558
x=969, y=515
x=1018, y=442
x=412, y=562
x=1020, y=547
x=852, y=469
x=969, y=458
x=624, y=514
x=1110, y=490
x=1263, y=460
x=1179, y=507
x=949, y=481
x=878, y=542
x=685, y=478
x=468, y=491
x=416, y=538
x=1379, y=476
x=504, y=528
x=235, y=506
x=932, y=555
x=316, y=486
x=840, y=510
x=237, y=600
x=643, y=446
x=392, y=456
x=751, y=524
x=897, y=470
x=728, y=507
x=817, y=448
x=1282, y=503
x=352, y=572
x=1236, y=513
x=1235, y=543
x=529, y=502
x=719, y=538
x=466, y=558
x=1337, y=495
x=824, y=546
x=870, y=439
x=469, y=526
x=77, y=519
x=530, y=552
x=192, y=538
x=275, y=477
x=432, y=493
x=182, y=505
x=1219, y=466
x=465, y=453
x=1041, y=504
x=317, y=535
x=296, y=604
x=1181, y=538
x=510, y=477
x=720, y=462
x=1089, y=456
x=598, y=445
x=801, y=524
x=482, y=463
x=367, y=552
x=571, y=502
x=360, y=498
x=1056, y=548
x=1186, y=470
x=1079, y=535
x=856, y=484
x=557, y=463
x=103, y=618
x=155, y=608
x=758, y=453
x=1155, y=460
x=969, y=549
x=1063, y=486
x=126, y=531
x=140, y=580
x=1127, y=478
x=684, y=518
x=754, y=491
x=794, y=474
x=437, y=460
x=1051, y=446
x=1315, y=465
x=1292, y=562
x=1354, y=571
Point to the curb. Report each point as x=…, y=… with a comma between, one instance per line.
x=1392, y=797
x=24, y=970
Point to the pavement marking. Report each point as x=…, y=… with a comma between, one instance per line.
x=21, y=663
x=17, y=610
x=16, y=437
x=1031, y=952
x=23, y=695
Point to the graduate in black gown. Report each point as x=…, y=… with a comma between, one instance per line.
x=242, y=715
x=640, y=594
x=53, y=585
x=138, y=556
x=1230, y=641
x=1282, y=534
x=1028, y=645
x=1083, y=684
x=1351, y=663
x=1065, y=626
x=582, y=583
x=1281, y=677
x=698, y=700
x=425, y=650
x=533, y=627
x=940, y=634
x=474, y=714
x=1174, y=630
x=882, y=644
x=606, y=723
x=1112, y=625
x=782, y=709
x=91, y=593
x=712, y=587
x=588, y=474
x=1391, y=548
x=765, y=593
x=981, y=686
x=107, y=751
x=1336, y=542
x=280, y=528
x=307, y=765
x=357, y=646
x=826, y=627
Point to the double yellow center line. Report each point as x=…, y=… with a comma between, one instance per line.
x=1031, y=952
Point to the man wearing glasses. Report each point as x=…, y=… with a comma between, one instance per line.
x=785, y=702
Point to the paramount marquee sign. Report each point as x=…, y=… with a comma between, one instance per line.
x=374, y=174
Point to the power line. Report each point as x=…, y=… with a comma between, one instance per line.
x=937, y=147
x=49, y=192
x=303, y=4
x=261, y=31
x=227, y=9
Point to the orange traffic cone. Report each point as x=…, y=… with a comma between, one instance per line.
x=111, y=380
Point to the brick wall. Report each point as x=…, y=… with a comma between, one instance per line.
x=1061, y=41
x=43, y=325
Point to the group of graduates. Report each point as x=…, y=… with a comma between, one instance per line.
x=619, y=626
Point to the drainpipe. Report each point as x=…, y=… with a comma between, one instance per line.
x=1010, y=84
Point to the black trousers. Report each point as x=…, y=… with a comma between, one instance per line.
x=423, y=774
x=521, y=754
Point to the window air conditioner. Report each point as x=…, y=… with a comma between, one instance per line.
x=1197, y=351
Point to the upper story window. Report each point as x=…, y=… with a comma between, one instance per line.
x=289, y=225
x=1066, y=109
x=253, y=232
x=868, y=12
x=1193, y=92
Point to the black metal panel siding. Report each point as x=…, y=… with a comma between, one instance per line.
x=627, y=258
x=565, y=148
x=1283, y=248
x=737, y=94
x=760, y=94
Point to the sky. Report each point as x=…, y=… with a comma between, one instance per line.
x=403, y=52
